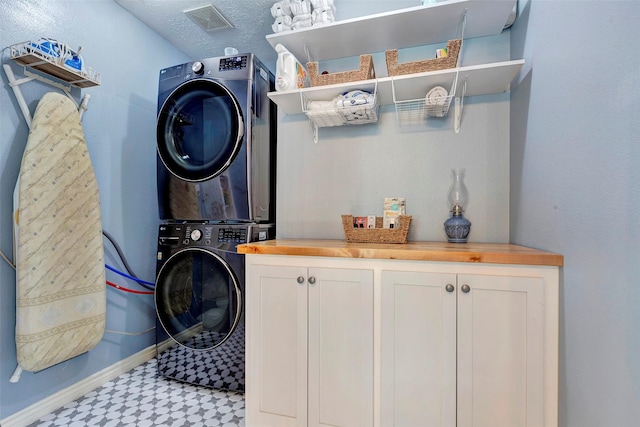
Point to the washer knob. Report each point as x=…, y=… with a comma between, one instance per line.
x=196, y=235
x=197, y=67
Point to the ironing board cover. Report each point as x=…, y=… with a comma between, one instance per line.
x=60, y=292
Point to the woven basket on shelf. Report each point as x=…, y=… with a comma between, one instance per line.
x=378, y=234
x=451, y=61
x=365, y=72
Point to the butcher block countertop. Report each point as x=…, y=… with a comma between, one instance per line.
x=491, y=253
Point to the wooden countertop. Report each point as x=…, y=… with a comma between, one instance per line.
x=493, y=253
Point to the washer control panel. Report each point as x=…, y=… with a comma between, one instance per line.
x=233, y=235
x=201, y=234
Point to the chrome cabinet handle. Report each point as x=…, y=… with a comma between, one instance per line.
x=300, y=280
x=449, y=288
x=312, y=280
x=465, y=289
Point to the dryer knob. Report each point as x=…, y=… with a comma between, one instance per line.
x=198, y=67
x=196, y=235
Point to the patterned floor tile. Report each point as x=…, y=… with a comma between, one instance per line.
x=141, y=398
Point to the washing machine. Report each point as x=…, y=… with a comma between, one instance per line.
x=199, y=300
x=216, y=137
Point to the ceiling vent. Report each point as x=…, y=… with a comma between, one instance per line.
x=208, y=18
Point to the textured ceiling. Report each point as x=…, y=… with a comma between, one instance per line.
x=251, y=20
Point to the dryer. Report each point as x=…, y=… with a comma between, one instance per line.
x=199, y=300
x=216, y=136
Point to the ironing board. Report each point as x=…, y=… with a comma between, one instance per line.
x=60, y=287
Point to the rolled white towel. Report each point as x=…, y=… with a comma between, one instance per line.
x=281, y=8
x=326, y=117
x=282, y=23
x=436, y=101
x=437, y=95
x=321, y=105
x=324, y=15
x=324, y=113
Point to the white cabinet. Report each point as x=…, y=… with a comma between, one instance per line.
x=309, y=345
x=468, y=349
x=500, y=351
x=399, y=343
x=418, y=349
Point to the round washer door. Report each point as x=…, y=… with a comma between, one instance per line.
x=199, y=130
x=198, y=299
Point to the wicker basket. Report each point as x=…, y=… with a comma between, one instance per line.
x=451, y=61
x=378, y=234
x=366, y=72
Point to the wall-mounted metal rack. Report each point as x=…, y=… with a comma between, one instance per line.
x=30, y=56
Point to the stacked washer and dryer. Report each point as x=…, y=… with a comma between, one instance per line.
x=216, y=136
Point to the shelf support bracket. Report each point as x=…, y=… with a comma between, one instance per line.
x=24, y=108
x=316, y=132
x=458, y=107
x=307, y=53
x=18, y=93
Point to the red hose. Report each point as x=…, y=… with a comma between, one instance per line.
x=133, y=291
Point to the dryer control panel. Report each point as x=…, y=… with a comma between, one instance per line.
x=233, y=63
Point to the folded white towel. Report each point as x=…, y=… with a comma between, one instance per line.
x=281, y=8
x=354, y=97
x=300, y=7
x=319, y=4
x=302, y=21
x=356, y=114
x=282, y=23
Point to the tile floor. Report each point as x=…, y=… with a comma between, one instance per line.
x=141, y=398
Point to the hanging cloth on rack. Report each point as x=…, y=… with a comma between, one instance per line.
x=60, y=287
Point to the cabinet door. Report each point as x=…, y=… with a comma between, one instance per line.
x=500, y=351
x=418, y=353
x=340, y=347
x=276, y=369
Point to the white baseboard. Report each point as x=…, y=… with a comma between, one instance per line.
x=57, y=400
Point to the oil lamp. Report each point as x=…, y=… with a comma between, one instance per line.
x=457, y=226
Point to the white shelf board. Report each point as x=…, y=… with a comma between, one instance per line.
x=415, y=26
x=484, y=79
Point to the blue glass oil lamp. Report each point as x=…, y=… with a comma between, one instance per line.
x=457, y=226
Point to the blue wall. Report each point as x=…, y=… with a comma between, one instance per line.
x=575, y=189
x=119, y=128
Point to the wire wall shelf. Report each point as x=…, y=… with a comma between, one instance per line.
x=333, y=113
x=29, y=55
x=435, y=105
